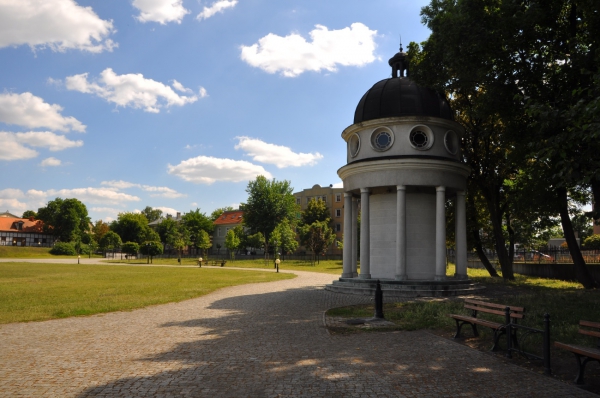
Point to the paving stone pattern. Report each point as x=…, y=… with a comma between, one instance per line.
x=259, y=340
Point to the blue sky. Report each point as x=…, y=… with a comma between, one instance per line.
x=178, y=104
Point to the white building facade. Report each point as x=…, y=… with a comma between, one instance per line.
x=403, y=163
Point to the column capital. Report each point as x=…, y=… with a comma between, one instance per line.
x=400, y=187
x=440, y=189
x=365, y=190
x=347, y=194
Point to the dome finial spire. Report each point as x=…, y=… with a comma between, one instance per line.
x=399, y=63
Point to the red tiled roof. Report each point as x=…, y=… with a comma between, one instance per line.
x=229, y=217
x=9, y=224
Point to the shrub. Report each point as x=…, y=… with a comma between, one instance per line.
x=64, y=249
x=592, y=242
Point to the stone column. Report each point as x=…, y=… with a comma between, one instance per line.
x=401, y=233
x=354, y=236
x=440, y=234
x=347, y=253
x=461, y=236
x=365, y=243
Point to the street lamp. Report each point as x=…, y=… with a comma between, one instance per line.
x=274, y=253
x=277, y=261
x=148, y=252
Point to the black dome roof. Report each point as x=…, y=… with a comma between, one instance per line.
x=400, y=96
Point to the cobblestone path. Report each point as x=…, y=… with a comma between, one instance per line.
x=259, y=340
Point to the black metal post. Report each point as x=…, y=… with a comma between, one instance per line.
x=378, y=301
x=547, y=344
x=508, y=332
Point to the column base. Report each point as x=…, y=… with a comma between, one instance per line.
x=461, y=277
x=347, y=275
x=365, y=276
x=355, y=274
x=401, y=277
x=439, y=278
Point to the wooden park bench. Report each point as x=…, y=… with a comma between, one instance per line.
x=214, y=263
x=508, y=314
x=583, y=354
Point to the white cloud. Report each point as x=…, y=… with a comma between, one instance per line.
x=57, y=24
x=164, y=192
x=218, y=6
x=131, y=90
x=50, y=162
x=202, y=92
x=91, y=195
x=46, y=139
x=161, y=11
x=13, y=150
x=279, y=155
x=338, y=185
x=30, y=111
x=292, y=55
x=207, y=170
x=166, y=210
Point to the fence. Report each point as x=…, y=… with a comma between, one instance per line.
x=554, y=263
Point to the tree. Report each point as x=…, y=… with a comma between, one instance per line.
x=256, y=241
x=522, y=74
x=151, y=249
x=203, y=242
x=194, y=222
x=99, y=229
x=152, y=214
x=169, y=231
x=317, y=237
x=29, y=213
x=316, y=210
x=110, y=241
x=285, y=237
x=217, y=212
x=130, y=248
x=131, y=227
x=269, y=203
x=232, y=241
x=65, y=219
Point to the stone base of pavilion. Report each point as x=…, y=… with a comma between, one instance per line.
x=405, y=289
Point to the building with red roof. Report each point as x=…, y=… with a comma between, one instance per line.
x=16, y=231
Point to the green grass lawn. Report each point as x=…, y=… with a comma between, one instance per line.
x=35, y=292
x=33, y=252
x=328, y=267
x=566, y=302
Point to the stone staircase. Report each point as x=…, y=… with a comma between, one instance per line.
x=405, y=289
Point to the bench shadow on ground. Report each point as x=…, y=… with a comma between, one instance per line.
x=276, y=343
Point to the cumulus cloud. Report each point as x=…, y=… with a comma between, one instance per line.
x=293, y=55
x=164, y=192
x=131, y=90
x=32, y=112
x=279, y=155
x=50, y=162
x=207, y=170
x=46, y=139
x=338, y=185
x=167, y=210
x=11, y=149
x=218, y=6
x=14, y=144
x=161, y=11
x=87, y=195
x=58, y=24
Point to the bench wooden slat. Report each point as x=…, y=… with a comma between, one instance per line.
x=482, y=322
x=497, y=312
x=590, y=324
x=581, y=350
x=590, y=332
x=494, y=305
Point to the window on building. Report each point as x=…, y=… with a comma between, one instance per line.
x=338, y=197
x=338, y=212
x=298, y=200
x=338, y=227
x=324, y=198
x=219, y=232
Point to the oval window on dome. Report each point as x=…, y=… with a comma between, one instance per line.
x=382, y=139
x=421, y=138
x=451, y=142
x=354, y=145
